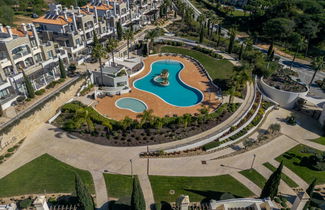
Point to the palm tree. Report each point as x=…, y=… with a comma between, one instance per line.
x=82, y=117
x=99, y=52
x=318, y=64
x=110, y=46
x=146, y=116
x=128, y=36
x=126, y=123
x=298, y=43
x=151, y=35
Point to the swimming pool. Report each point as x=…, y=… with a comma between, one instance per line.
x=177, y=93
x=132, y=104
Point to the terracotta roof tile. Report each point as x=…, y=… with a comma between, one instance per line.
x=58, y=21
x=18, y=32
x=99, y=7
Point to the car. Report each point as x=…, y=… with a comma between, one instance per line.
x=91, y=60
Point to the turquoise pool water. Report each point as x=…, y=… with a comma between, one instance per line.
x=131, y=104
x=176, y=93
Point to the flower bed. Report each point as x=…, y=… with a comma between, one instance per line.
x=281, y=80
x=10, y=151
x=257, y=119
x=88, y=124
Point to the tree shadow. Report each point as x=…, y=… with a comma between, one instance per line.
x=209, y=194
x=59, y=133
x=123, y=203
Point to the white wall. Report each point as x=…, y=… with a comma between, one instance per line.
x=285, y=99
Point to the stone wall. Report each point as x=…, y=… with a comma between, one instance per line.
x=29, y=124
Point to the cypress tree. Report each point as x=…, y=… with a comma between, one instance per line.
x=95, y=38
x=272, y=184
x=269, y=51
x=83, y=194
x=241, y=51
x=201, y=35
x=310, y=189
x=119, y=31
x=231, y=42
x=271, y=56
x=137, y=198
x=63, y=73
x=29, y=87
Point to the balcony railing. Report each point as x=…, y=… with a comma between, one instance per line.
x=20, y=54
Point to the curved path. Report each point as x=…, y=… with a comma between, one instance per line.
x=85, y=155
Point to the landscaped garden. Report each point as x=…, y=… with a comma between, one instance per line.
x=282, y=80
x=88, y=124
x=284, y=177
x=43, y=174
x=254, y=176
x=306, y=162
x=218, y=69
x=320, y=140
x=118, y=185
x=168, y=188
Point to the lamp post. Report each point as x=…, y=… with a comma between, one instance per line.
x=131, y=168
x=253, y=160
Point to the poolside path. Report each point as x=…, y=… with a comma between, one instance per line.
x=191, y=75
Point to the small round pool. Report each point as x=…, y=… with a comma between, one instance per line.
x=132, y=104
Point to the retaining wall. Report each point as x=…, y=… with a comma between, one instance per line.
x=28, y=125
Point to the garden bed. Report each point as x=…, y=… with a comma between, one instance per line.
x=86, y=123
x=282, y=80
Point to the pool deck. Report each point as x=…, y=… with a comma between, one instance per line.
x=190, y=75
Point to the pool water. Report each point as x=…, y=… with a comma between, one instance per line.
x=131, y=104
x=177, y=93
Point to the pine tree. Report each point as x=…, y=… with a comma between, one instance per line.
x=310, y=189
x=271, y=186
x=29, y=87
x=83, y=194
x=119, y=31
x=63, y=73
x=137, y=198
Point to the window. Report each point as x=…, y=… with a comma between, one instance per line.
x=78, y=41
x=38, y=58
x=8, y=71
x=4, y=93
x=50, y=54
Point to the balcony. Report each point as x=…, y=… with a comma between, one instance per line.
x=20, y=54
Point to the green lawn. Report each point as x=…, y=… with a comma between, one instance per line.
x=292, y=163
x=118, y=186
x=198, y=188
x=217, y=69
x=43, y=174
x=320, y=140
x=254, y=176
x=284, y=177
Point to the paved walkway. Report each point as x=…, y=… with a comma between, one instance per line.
x=283, y=187
x=100, y=188
x=292, y=175
x=248, y=183
x=147, y=190
x=85, y=155
x=249, y=99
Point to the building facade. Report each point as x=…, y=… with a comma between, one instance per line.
x=21, y=50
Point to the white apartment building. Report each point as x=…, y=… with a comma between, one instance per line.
x=22, y=50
